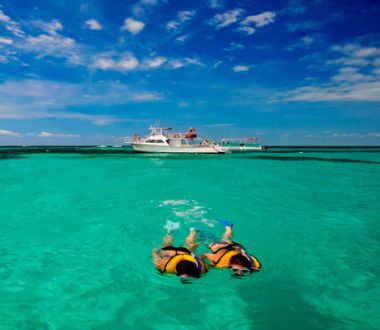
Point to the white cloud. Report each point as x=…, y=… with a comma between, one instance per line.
x=357, y=51
x=44, y=134
x=180, y=63
x=240, y=68
x=350, y=81
x=50, y=42
x=183, y=105
x=93, y=24
x=186, y=15
x=350, y=74
x=295, y=7
x=128, y=63
x=155, y=62
x=172, y=25
x=367, y=52
x=104, y=63
x=10, y=25
x=260, y=20
x=6, y=41
x=219, y=125
x=354, y=135
x=217, y=64
x=47, y=42
x=304, y=26
x=304, y=42
x=182, y=18
x=34, y=99
x=4, y=18
x=141, y=7
x=307, y=40
x=376, y=61
x=48, y=27
x=182, y=38
x=176, y=64
x=362, y=91
x=133, y=26
x=349, y=61
x=215, y=3
x=221, y=21
x=355, y=55
x=234, y=46
x=8, y=133
x=124, y=63
x=143, y=97
x=55, y=45
x=247, y=29
x=193, y=61
x=112, y=61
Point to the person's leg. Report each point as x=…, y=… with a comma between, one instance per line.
x=227, y=234
x=168, y=239
x=190, y=240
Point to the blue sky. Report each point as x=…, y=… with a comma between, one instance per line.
x=289, y=72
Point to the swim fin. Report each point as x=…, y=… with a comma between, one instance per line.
x=225, y=223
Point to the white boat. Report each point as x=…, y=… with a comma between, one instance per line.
x=160, y=140
x=245, y=144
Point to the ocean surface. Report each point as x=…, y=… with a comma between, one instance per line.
x=78, y=226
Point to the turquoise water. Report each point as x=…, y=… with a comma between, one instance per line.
x=78, y=230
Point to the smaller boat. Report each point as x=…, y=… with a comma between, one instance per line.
x=243, y=144
x=163, y=141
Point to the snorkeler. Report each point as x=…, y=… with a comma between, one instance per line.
x=229, y=254
x=179, y=260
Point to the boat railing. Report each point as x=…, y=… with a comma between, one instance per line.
x=240, y=142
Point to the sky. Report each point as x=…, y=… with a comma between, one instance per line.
x=92, y=72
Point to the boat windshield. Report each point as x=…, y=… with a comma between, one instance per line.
x=154, y=141
x=159, y=130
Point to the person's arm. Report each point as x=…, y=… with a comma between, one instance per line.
x=157, y=260
x=210, y=257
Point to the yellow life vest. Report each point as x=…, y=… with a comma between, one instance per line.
x=224, y=261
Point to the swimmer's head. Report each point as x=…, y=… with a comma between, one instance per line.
x=187, y=269
x=240, y=265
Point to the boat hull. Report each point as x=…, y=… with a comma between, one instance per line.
x=141, y=147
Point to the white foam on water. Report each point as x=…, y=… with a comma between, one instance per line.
x=208, y=222
x=189, y=211
x=170, y=225
x=174, y=202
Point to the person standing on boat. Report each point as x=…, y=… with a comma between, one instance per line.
x=179, y=260
x=229, y=254
x=205, y=142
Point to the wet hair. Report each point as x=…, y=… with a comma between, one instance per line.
x=187, y=268
x=239, y=259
